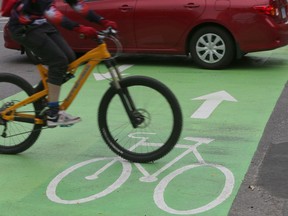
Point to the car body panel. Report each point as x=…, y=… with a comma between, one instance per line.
x=157, y=26
x=163, y=26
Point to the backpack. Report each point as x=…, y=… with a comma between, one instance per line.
x=7, y=6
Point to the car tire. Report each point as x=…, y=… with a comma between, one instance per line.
x=32, y=57
x=212, y=48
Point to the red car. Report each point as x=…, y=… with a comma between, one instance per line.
x=213, y=32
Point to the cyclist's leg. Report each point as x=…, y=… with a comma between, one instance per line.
x=63, y=45
x=46, y=43
x=55, y=79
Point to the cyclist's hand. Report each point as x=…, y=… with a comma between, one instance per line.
x=86, y=31
x=108, y=23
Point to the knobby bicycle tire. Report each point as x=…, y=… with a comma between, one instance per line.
x=160, y=130
x=19, y=136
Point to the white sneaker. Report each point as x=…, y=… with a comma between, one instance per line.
x=63, y=119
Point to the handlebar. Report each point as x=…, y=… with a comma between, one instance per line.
x=107, y=33
x=110, y=34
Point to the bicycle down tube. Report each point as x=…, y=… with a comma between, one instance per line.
x=93, y=57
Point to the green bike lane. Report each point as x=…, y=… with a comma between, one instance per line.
x=227, y=109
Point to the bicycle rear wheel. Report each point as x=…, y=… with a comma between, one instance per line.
x=160, y=114
x=17, y=136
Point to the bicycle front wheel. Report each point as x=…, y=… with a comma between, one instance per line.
x=160, y=126
x=17, y=136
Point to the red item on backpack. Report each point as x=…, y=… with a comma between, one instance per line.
x=7, y=6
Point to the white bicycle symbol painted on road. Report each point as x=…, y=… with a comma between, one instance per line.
x=162, y=185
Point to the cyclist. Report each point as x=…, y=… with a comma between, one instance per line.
x=32, y=25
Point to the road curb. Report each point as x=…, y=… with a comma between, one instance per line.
x=257, y=195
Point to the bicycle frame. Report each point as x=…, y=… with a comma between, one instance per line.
x=91, y=59
x=26, y=111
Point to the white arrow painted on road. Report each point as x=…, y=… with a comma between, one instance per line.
x=212, y=101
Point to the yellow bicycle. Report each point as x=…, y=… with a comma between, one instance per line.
x=133, y=104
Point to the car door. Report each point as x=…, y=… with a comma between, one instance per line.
x=119, y=11
x=161, y=25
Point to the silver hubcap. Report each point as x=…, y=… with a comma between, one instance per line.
x=210, y=48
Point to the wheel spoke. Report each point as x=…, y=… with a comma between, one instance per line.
x=16, y=136
x=159, y=125
x=210, y=48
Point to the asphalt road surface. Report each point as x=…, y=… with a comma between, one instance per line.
x=12, y=62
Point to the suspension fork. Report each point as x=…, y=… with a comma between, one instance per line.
x=135, y=117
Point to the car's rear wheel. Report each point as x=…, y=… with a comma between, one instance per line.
x=212, y=47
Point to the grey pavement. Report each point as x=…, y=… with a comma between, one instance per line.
x=14, y=62
x=264, y=191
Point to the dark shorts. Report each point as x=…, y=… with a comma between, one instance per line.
x=46, y=42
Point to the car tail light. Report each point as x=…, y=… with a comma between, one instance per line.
x=276, y=9
x=270, y=9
